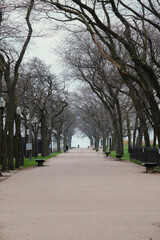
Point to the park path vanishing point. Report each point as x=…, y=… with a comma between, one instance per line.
x=81, y=195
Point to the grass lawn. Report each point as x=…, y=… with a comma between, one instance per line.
x=125, y=156
x=30, y=163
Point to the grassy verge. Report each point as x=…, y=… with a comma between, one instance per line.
x=125, y=156
x=136, y=161
x=31, y=163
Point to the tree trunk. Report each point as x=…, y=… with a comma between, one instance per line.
x=104, y=144
x=65, y=141
x=26, y=141
x=140, y=137
x=96, y=143
x=4, y=153
x=91, y=141
x=45, y=136
x=11, y=147
x=154, y=139
x=1, y=135
x=70, y=141
x=118, y=132
x=58, y=137
x=21, y=152
x=17, y=142
x=138, y=105
x=128, y=130
x=135, y=131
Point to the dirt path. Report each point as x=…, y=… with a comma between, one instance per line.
x=81, y=195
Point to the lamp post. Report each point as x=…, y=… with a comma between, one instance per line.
x=2, y=106
x=29, y=144
x=35, y=121
x=110, y=143
x=18, y=110
x=18, y=139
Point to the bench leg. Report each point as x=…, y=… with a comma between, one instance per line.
x=40, y=163
x=149, y=169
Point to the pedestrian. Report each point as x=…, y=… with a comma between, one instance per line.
x=66, y=148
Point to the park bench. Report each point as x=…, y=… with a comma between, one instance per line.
x=149, y=166
x=118, y=156
x=107, y=153
x=40, y=162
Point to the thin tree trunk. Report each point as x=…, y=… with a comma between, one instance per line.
x=140, y=137
x=17, y=142
x=154, y=139
x=58, y=137
x=4, y=155
x=128, y=130
x=135, y=131
x=104, y=144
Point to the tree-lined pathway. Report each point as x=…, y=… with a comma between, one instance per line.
x=81, y=195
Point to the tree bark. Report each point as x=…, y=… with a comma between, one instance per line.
x=154, y=138
x=17, y=145
x=128, y=130
x=11, y=83
x=58, y=137
x=4, y=155
x=104, y=144
x=135, y=130
x=140, y=137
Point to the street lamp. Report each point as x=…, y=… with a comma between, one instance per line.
x=18, y=143
x=18, y=110
x=35, y=121
x=110, y=142
x=2, y=106
x=29, y=144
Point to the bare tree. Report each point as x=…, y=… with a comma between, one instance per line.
x=89, y=66
x=69, y=124
x=11, y=60
x=136, y=26
x=47, y=96
x=93, y=119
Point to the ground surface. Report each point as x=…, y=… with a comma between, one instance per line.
x=81, y=195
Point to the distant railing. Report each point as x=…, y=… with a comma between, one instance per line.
x=145, y=154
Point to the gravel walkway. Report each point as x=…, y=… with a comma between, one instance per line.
x=81, y=195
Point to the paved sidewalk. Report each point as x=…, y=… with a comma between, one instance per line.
x=81, y=195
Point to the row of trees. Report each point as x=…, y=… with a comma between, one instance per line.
x=92, y=118
x=96, y=122
x=107, y=90
x=123, y=69
x=29, y=87
x=13, y=48
x=41, y=97
x=126, y=62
